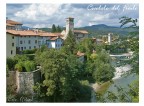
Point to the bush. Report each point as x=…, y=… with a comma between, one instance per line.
x=19, y=66
x=31, y=56
x=11, y=63
x=29, y=51
x=19, y=58
x=29, y=66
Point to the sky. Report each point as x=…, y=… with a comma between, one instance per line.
x=44, y=15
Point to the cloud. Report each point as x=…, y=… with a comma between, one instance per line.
x=44, y=15
x=36, y=10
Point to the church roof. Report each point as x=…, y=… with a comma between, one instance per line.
x=81, y=31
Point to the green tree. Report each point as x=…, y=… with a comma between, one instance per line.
x=53, y=28
x=11, y=63
x=29, y=66
x=58, y=29
x=103, y=71
x=61, y=74
x=69, y=44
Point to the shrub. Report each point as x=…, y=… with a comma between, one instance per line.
x=29, y=66
x=11, y=63
x=29, y=51
x=19, y=66
x=19, y=58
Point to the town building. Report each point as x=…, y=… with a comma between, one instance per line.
x=19, y=40
x=13, y=25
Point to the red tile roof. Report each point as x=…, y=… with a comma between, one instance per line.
x=9, y=24
x=23, y=33
x=32, y=33
x=13, y=22
x=49, y=34
x=80, y=54
x=81, y=31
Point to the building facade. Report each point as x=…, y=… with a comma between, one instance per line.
x=10, y=45
x=32, y=39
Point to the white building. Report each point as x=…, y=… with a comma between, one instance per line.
x=109, y=38
x=55, y=42
x=10, y=45
x=31, y=39
x=13, y=25
x=25, y=40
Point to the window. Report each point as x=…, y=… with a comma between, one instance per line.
x=24, y=47
x=34, y=46
x=21, y=42
x=29, y=42
x=35, y=41
x=29, y=47
x=12, y=37
x=12, y=44
x=21, y=48
x=11, y=52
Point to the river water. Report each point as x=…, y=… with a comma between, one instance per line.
x=121, y=79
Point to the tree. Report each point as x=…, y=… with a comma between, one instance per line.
x=53, y=28
x=69, y=44
x=103, y=71
x=11, y=63
x=60, y=75
x=86, y=45
x=58, y=29
x=29, y=66
x=126, y=20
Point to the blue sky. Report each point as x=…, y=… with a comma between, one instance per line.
x=44, y=15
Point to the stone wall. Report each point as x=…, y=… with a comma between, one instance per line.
x=11, y=81
x=24, y=81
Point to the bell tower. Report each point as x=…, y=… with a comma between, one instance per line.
x=69, y=25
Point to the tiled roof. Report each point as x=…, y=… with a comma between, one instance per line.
x=32, y=33
x=81, y=31
x=7, y=24
x=80, y=54
x=49, y=34
x=23, y=33
x=13, y=22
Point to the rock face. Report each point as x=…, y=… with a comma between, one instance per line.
x=26, y=80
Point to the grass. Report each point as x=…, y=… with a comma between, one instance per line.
x=103, y=87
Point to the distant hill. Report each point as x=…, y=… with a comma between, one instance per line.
x=103, y=29
x=26, y=28
x=96, y=30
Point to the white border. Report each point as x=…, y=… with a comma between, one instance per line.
x=3, y=46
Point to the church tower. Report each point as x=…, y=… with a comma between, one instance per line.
x=109, y=38
x=69, y=25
